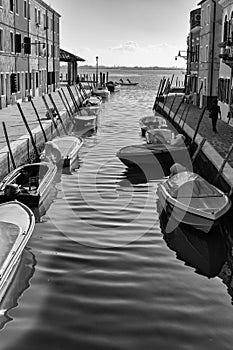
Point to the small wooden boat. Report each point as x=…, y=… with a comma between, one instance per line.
x=16, y=227
x=62, y=151
x=85, y=123
x=151, y=122
x=29, y=184
x=92, y=101
x=113, y=86
x=158, y=156
x=101, y=91
x=129, y=83
x=190, y=199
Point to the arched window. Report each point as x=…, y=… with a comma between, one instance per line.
x=231, y=27
x=225, y=29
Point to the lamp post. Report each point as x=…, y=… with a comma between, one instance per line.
x=185, y=55
x=97, y=70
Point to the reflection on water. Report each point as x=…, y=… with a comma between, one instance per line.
x=205, y=252
x=105, y=278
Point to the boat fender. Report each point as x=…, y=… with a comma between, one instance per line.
x=176, y=168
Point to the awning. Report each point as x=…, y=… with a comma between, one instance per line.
x=66, y=56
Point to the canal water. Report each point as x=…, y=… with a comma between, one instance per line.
x=103, y=271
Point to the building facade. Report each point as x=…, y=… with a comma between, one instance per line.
x=225, y=86
x=209, y=63
x=29, y=50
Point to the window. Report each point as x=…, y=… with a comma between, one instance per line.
x=208, y=15
x=12, y=41
x=207, y=53
x=1, y=3
x=1, y=39
x=51, y=24
x=17, y=7
x=36, y=48
x=2, y=84
x=38, y=17
x=29, y=11
x=35, y=14
x=39, y=49
x=18, y=81
x=11, y=5
x=25, y=9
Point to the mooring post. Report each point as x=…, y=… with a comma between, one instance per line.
x=51, y=115
x=29, y=131
x=223, y=163
x=199, y=148
x=67, y=110
x=38, y=118
x=58, y=113
x=8, y=145
x=155, y=102
x=66, y=99
x=182, y=100
x=77, y=93
x=172, y=105
x=198, y=125
x=73, y=99
x=186, y=115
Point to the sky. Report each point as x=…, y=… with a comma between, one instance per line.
x=125, y=32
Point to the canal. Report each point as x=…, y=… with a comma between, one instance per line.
x=102, y=269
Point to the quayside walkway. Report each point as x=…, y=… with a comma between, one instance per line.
x=187, y=117
x=221, y=141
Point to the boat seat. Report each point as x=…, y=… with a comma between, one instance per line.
x=33, y=183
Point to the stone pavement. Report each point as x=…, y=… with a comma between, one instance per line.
x=221, y=141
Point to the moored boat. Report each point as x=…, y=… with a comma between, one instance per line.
x=151, y=122
x=101, y=91
x=160, y=156
x=190, y=199
x=85, y=123
x=129, y=83
x=16, y=227
x=113, y=86
x=29, y=184
x=63, y=151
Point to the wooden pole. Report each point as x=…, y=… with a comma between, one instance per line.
x=186, y=115
x=29, y=131
x=51, y=115
x=172, y=105
x=182, y=100
x=198, y=125
x=66, y=99
x=199, y=148
x=58, y=113
x=73, y=99
x=181, y=116
x=223, y=163
x=67, y=110
x=38, y=118
x=155, y=102
x=8, y=145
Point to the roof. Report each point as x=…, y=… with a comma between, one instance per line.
x=66, y=56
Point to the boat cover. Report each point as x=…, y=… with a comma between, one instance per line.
x=190, y=185
x=8, y=235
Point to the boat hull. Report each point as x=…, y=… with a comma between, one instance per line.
x=201, y=212
x=17, y=225
x=36, y=198
x=160, y=157
x=85, y=124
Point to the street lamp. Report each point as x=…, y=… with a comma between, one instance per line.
x=97, y=70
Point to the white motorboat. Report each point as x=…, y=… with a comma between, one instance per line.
x=62, y=151
x=16, y=227
x=190, y=199
x=101, y=91
x=152, y=122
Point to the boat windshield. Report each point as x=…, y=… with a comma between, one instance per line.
x=190, y=185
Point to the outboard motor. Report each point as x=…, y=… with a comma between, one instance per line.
x=11, y=190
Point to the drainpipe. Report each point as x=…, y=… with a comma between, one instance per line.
x=212, y=59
